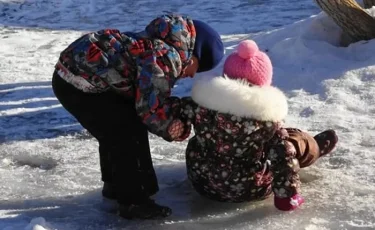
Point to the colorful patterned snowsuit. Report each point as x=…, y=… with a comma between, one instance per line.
x=144, y=66
x=239, y=152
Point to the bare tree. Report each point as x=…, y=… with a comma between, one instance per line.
x=355, y=22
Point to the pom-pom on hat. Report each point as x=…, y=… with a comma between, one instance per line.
x=250, y=64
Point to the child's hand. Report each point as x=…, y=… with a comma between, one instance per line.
x=176, y=129
x=185, y=134
x=179, y=131
x=288, y=203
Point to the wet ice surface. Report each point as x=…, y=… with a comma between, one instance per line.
x=235, y=16
x=49, y=167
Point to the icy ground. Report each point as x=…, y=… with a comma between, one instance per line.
x=49, y=168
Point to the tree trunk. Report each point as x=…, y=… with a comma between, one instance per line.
x=368, y=3
x=353, y=20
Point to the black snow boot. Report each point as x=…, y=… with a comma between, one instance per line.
x=109, y=191
x=145, y=210
x=327, y=141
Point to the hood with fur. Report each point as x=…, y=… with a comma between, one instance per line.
x=237, y=97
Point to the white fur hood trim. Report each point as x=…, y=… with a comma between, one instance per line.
x=236, y=97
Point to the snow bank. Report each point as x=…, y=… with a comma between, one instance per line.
x=307, y=53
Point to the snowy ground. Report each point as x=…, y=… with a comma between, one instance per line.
x=49, y=168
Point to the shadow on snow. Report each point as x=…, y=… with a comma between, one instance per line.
x=21, y=118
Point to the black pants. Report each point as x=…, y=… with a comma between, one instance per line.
x=124, y=150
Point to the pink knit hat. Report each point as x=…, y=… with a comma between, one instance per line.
x=249, y=63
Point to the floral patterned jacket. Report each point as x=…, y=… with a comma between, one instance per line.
x=236, y=128
x=143, y=66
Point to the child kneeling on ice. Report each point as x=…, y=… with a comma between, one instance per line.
x=240, y=151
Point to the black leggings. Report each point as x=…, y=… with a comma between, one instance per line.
x=124, y=150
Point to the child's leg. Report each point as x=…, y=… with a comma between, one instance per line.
x=284, y=165
x=309, y=148
x=289, y=150
x=132, y=164
x=125, y=157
